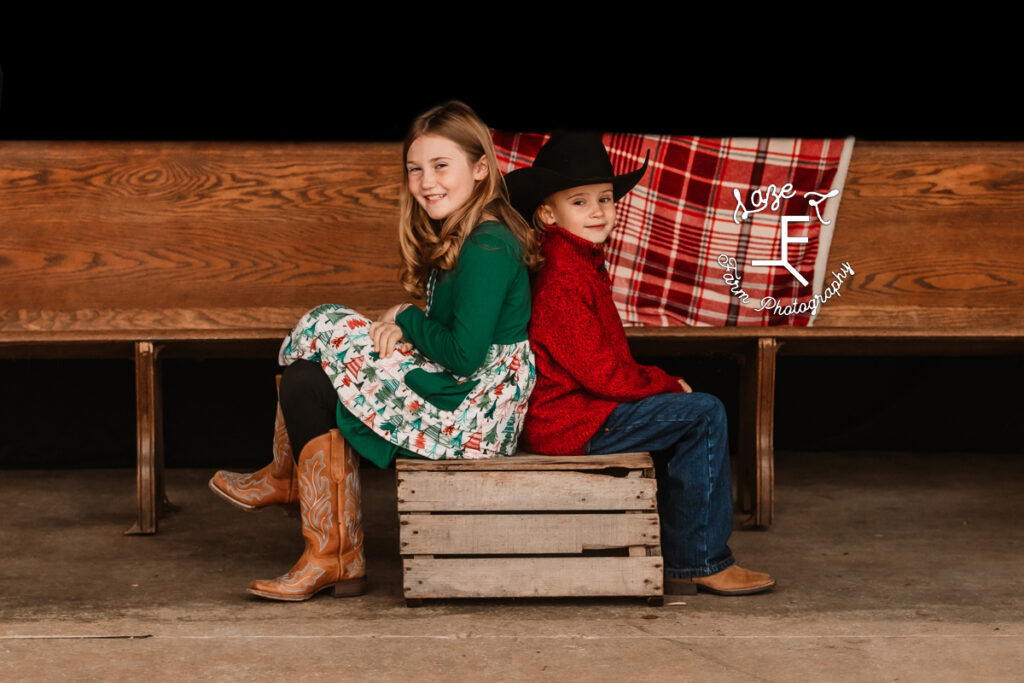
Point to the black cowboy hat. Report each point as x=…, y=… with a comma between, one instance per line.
x=567, y=160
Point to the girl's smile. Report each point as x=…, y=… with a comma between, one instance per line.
x=441, y=176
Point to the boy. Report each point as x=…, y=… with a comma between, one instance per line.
x=591, y=396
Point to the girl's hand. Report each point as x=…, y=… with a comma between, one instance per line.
x=385, y=337
x=685, y=386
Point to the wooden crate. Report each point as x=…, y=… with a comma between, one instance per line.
x=529, y=526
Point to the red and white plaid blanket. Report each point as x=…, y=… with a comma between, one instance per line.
x=678, y=222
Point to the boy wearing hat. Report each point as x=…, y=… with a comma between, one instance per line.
x=591, y=396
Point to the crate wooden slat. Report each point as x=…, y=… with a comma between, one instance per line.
x=522, y=461
x=453, y=491
x=520, y=577
x=530, y=526
x=483, y=534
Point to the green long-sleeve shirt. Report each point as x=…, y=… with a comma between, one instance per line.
x=484, y=300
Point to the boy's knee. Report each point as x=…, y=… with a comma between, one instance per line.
x=710, y=406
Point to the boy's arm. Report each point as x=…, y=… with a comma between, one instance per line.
x=565, y=322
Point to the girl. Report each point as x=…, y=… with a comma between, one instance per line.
x=448, y=382
x=592, y=397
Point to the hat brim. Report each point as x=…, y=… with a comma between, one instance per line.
x=529, y=187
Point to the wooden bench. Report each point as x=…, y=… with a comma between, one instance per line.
x=529, y=526
x=142, y=250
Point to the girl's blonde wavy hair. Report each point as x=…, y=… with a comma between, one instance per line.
x=425, y=243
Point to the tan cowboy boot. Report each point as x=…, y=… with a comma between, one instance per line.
x=733, y=580
x=271, y=485
x=332, y=525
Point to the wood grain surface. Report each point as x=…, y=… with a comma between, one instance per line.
x=201, y=237
x=123, y=227
x=515, y=491
x=756, y=464
x=934, y=233
x=514, y=577
x=527, y=461
x=511, y=534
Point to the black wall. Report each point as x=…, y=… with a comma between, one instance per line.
x=909, y=85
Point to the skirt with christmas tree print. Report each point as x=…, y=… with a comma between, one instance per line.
x=485, y=425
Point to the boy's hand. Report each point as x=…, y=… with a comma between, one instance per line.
x=685, y=386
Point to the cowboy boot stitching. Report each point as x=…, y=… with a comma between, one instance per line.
x=248, y=487
x=314, y=490
x=300, y=579
x=354, y=522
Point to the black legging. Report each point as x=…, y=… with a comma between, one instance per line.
x=308, y=402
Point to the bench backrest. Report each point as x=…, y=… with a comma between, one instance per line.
x=935, y=234
x=202, y=239
x=134, y=239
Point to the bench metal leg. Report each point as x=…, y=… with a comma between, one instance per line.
x=757, y=433
x=152, y=500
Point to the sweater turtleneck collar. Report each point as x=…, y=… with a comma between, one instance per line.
x=560, y=242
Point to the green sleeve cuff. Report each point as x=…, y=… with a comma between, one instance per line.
x=404, y=322
x=412, y=321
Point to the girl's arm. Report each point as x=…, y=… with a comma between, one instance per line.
x=566, y=324
x=484, y=271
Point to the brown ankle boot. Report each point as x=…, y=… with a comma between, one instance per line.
x=332, y=525
x=271, y=485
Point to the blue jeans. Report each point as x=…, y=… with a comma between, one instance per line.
x=688, y=438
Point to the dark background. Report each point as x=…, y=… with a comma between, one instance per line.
x=890, y=82
x=71, y=413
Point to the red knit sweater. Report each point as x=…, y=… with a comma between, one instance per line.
x=584, y=366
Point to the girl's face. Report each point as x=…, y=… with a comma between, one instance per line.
x=441, y=176
x=587, y=211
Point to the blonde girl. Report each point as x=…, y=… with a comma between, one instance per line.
x=450, y=380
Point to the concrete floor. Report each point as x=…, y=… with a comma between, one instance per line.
x=889, y=567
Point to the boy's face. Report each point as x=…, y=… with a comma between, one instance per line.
x=587, y=211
